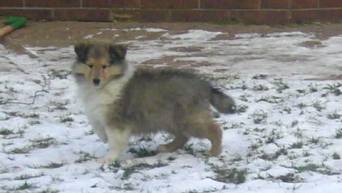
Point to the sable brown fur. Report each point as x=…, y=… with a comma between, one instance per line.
x=148, y=101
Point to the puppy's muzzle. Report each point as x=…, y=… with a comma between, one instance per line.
x=96, y=81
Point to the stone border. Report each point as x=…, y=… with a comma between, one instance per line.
x=218, y=11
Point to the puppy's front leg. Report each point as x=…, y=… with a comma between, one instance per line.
x=117, y=141
x=99, y=130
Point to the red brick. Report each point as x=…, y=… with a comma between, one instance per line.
x=142, y=15
x=330, y=3
x=11, y=3
x=53, y=3
x=334, y=15
x=307, y=16
x=112, y=3
x=34, y=14
x=154, y=15
x=169, y=4
x=304, y=16
x=200, y=15
x=302, y=4
x=231, y=4
x=83, y=14
x=261, y=17
x=275, y=4
x=126, y=14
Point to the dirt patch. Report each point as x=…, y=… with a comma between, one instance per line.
x=66, y=33
x=332, y=77
x=187, y=49
x=312, y=44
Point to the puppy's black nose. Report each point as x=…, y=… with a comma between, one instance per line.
x=96, y=81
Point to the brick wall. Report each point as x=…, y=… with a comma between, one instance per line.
x=222, y=11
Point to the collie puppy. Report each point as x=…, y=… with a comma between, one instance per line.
x=121, y=101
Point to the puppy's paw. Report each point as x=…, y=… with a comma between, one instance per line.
x=104, y=161
x=164, y=149
x=215, y=152
x=109, y=158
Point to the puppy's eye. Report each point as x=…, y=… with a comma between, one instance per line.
x=90, y=65
x=104, y=67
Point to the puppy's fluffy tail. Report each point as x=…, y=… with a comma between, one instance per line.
x=222, y=102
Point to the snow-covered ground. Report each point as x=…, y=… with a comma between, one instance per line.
x=285, y=137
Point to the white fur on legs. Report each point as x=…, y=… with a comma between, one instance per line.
x=99, y=129
x=117, y=141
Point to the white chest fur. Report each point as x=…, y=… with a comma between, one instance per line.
x=97, y=100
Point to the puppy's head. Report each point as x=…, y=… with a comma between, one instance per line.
x=99, y=62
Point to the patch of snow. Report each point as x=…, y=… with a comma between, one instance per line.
x=194, y=35
x=155, y=30
x=145, y=29
x=90, y=36
x=285, y=137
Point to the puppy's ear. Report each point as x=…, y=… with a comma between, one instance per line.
x=117, y=52
x=81, y=50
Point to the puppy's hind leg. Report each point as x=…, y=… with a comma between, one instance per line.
x=117, y=141
x=202, y=125
x=178, y=142
x=215, y=137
